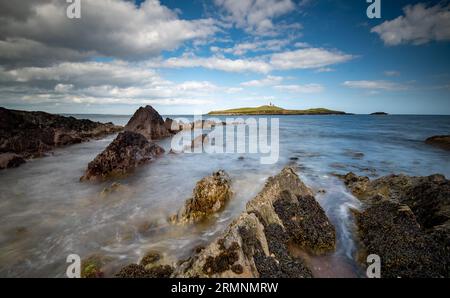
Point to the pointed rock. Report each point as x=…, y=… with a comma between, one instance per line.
x=149, y=123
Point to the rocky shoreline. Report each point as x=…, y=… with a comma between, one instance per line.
x=256, y=244
x=406, y=222
x=25, y=135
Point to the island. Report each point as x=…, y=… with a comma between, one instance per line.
x=274, y=110
x=379, y=114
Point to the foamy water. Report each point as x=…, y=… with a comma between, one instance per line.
x=47, y=214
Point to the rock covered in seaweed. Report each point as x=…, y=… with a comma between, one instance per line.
x=209, y=196
x=149, y=123
x=256, y=243
x=413, y=213
x=128, y=151
x=140, y=271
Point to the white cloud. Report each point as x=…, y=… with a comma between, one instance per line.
x=309, y=58
x=392, y=73
x=255, y=16
x=215, y=62
x=267, y=81
x=419, y=25
x=111, y=28
x=302, y=45
x=102, y=83
x=239, y=49
x=62, y=88
x=325, y=69
x=307, y=88
x=375, y=85
x=83, y=74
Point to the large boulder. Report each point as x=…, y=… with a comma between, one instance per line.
x=209, y=197
x=149, y=123
x=128, y=151
x=439, y=141
x=32, y=134
x=413, y=213
x=257, y=243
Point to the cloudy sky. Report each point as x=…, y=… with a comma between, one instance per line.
x=187, y=57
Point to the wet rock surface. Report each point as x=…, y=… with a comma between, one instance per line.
x=210, y=195
x=439, y=141
x=91, y=267
x=406, y=222
x=256, y=243
x=10, y=160
x=173, y=126
x=32, y=134
x=149, y=123
x=128, y=151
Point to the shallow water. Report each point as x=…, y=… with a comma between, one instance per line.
x=47, y=214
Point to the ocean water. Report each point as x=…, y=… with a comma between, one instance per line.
x=47, y=214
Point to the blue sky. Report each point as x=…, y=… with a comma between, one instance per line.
x=187, y=57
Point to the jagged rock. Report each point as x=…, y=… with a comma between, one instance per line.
x=209, y=196
x=413, y=213
x=287, y=201
x=206, y=124
x=173, y=126
x=149, y=123
x=439, y=141
x=358, y=184
x=256, y=243
x=32, y=134
x=10, y=160
x=128, y=151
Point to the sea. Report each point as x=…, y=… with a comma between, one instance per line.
x=46, y=213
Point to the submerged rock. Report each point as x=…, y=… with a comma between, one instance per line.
x=439, y=141
x=128, y=151
x=209, y=196
x=256, y=243
x=149, y=123
x=32, y=134
x=411, y=212
x=91, y=267
x=150, y=258
x=10, y=160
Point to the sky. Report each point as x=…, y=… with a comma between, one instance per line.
x=185, y=57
